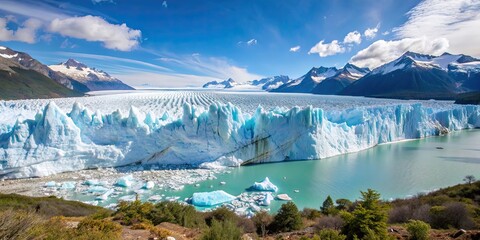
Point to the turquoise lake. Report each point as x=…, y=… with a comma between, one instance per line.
x=396, y=170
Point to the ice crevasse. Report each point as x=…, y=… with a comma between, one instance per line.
x=55, y=141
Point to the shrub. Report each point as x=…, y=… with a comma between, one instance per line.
x=418, y=230
x=311, y=214
x=330, y=234
x=134, y=212
x=17, y=224
x=262, y=220
x=369, y=218
x=225, y=230
x=343, y=204
x=98, y=229
x=287, y=219
x=330, y=222
x=173, y=212
x=400, y=214
x=454, y=214
x=223, y=214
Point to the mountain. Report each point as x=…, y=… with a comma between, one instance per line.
x=229, y=83
x=23, y=77
x=93, y=79
x=27, y=62
x=265, y=84
x=307, y=82
x=344, y=77
x=412, y=75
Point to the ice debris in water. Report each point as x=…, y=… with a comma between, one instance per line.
x=51, y=184
x=148, y=185
x=68, y=185
x=125, y=181
x=97, y=189
x=93, y=182
x=207, y=199
x=266, y=200
x=265, y=185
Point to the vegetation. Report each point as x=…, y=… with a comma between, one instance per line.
x=368, y=220
x=24, y=84
x=287, y=219
x=450, y=208
x=418, y=230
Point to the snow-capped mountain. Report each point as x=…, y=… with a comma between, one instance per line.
x=27, y=62
x=229, y=83
x=93, y=79
x=23, y=77
x=412, y=75
x=266, y=84
x=344, y=77
x=307, y=82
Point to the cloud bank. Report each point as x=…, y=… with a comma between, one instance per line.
x=381, y=51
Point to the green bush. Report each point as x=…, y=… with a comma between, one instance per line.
x=311, y=214
x=98, y=229
x=177, y=213
x=418, y=230
x=222, y=230
x=287, y=219
x=17, y=224
x=330, y=234
x=368, y=220
x=134, y=212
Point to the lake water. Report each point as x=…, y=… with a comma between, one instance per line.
x=396, y=170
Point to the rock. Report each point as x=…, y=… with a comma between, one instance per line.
x=459, y=233
x=170, y=238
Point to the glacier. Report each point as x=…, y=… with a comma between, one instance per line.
x=55, y=141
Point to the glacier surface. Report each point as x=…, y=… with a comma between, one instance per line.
x=56, y=140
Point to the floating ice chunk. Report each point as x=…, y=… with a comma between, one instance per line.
x=105, y=196
x=97, y=189
x=267, y=199
x=155, y=198
x=213, y=198
x=284, y=197
x=93, y=182
x=125, y=181
x=127, y=198
x=265, y=185
x=68, y=185
x=222, y=162
x=148, y=185
x=51, y=184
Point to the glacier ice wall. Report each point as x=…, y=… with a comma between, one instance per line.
x=55, y=141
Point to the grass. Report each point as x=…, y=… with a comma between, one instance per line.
x=47, y=206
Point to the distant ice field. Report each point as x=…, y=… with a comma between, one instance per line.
x=171, y=102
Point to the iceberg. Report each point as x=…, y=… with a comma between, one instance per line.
x=97, y=189
x=68, y=185
x=125, y=181
x=266, y=200
x=265, y=185
x=50, y=184
x=56, y=141
x=105, y=195
x=207, y=199
x=148, y=185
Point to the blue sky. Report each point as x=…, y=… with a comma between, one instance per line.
x=181, y=43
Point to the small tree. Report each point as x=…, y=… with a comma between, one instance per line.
x=368, y=219
x=262, y=219
x=225, y=230
x=469, y=179
x=288, y=218
x=418, y=230
x=343, y=204
x=327, y=206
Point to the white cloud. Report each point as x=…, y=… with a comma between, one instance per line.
x=381, y=51
x=295, y=49
x=327, y=49
x=26, y=32
x=371, y=32
x=456, y=20
x=164, y=4
x=138, y=79
x=353, y=37
x=100, y=1
x=252, y=42
x=386, y=33
x=96, y=29
x=213, y=67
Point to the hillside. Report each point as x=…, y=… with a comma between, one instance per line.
x=26, y=84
